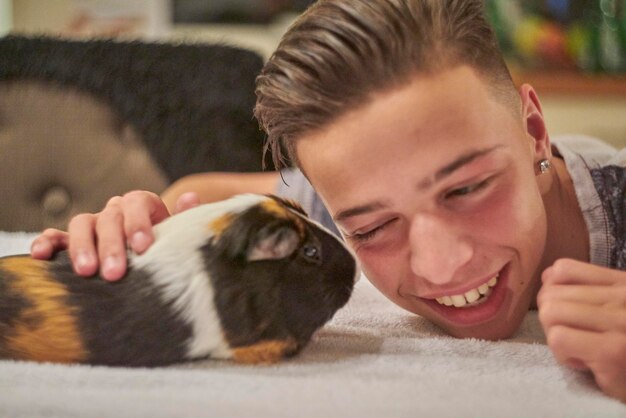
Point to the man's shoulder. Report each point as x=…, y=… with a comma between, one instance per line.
x=587, y=157
x=594, y=152
x=598, y=172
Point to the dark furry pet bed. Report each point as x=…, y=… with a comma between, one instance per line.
x=191, y=103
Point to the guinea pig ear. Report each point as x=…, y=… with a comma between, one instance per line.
x=273, y=244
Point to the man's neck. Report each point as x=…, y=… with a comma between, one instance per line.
x=568, y=236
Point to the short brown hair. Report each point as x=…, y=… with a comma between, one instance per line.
x=340, y=52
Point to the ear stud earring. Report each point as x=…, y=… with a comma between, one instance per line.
x=544, y=166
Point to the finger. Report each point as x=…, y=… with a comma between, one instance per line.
x=582, y=316
x=81, y=244
x=591, y=295
x=47, y=243
x=141, y=210
x=573, y=347
x=566, y=271
x=187, y=201
x=111, y=241
x=602, y=353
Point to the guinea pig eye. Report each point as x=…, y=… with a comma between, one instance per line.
x=311, y=253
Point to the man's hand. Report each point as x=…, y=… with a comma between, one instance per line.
x=582, y=308
x=100, y=240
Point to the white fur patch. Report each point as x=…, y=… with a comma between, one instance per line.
x=176, y=265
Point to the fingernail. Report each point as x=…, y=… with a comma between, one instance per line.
x=110, y=266
x=82, y=260
x=37, y=248
x=139, y=241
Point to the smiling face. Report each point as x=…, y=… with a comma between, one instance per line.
x=434, y=187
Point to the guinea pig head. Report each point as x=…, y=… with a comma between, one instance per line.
x=277, y=277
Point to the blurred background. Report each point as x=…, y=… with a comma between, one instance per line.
x=572, y=51
x=584, y=35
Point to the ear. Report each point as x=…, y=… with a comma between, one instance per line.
x=273, y=244
x=534, y=124
x=536, y=131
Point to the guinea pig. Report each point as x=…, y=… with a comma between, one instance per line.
x=250, y=279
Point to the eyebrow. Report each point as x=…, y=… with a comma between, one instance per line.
x=428, y=182
x=359, y=210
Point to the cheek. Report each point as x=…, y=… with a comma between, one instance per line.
x=384, y=268
x=514, y=217
x=526, y=212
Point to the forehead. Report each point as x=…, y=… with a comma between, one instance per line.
x=420, y=125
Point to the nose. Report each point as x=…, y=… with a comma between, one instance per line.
x=438, y=249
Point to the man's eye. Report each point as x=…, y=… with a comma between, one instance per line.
x=366, y=236
x=466, y=190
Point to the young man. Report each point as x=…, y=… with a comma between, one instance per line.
x=439, y=174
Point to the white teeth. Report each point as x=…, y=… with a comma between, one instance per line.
x=483, y=289
x=468, y=297
x=445, y=300
x=459, y=300
x=472, y=295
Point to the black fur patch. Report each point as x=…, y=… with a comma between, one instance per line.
x=276, y=299
x=125, y=322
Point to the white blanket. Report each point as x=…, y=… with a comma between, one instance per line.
x=372, y=360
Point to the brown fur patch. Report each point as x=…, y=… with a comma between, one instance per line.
x=265, y=352
x=273, y=206
x=46, y=330
x=219, y=225
x=290, y=203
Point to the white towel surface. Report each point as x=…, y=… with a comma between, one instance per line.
x=372, y=360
